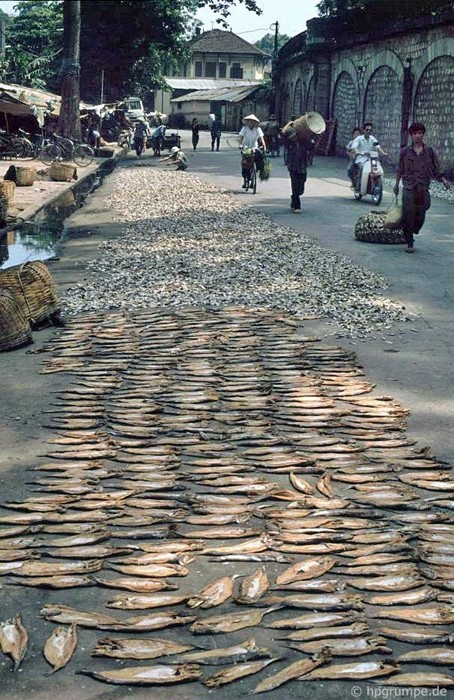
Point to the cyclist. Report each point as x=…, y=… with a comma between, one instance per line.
x=251, y=136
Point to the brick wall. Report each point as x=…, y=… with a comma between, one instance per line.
x=391, y=81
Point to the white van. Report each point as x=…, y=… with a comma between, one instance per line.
x=134, y=108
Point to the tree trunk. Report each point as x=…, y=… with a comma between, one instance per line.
x=69, y=119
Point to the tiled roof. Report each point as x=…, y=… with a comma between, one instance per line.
x=220, y=41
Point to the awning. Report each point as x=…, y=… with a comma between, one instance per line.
x=236, y=94
x=23, y=101
x=207, y=83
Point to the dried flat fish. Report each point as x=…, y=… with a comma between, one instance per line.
x=40, y=568
x=420, y=680
x=139, y=585
x=230, y=622
x=148, y=675
x=414, y=597
x=386, y=583
x=417, y=635
x=14, y=639
x=56, y=582
x=253, y=587
x=306, y=635
x=120, y=648
x=150, y=570
x=435, y=655
x=233, y=673
x=323, y=601
x=355, y=671
x=143, y=602
x=344, y=646
x=309, y=620
x=60, y=646
x=306, y=569
x=295, y=670
x=213, y=594
x=436, y=615
x=245, y=651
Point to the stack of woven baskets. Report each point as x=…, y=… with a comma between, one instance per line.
x=28, y=300
x=371, y=229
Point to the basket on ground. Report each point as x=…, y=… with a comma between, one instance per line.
x=370, y=228
x=34, y=290
x=7, y=190
x=62, y=172
x=25, y=176
x=15, y=329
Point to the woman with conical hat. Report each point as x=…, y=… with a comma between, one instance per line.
x=251, y=136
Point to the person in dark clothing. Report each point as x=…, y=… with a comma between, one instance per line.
x=418, y=165
x=296, y=159
x=195, y=128
x=216, y=134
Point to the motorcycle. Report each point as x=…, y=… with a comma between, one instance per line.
x=369, y=179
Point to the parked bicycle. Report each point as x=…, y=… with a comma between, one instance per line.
x=59, y=148
x=15, y=145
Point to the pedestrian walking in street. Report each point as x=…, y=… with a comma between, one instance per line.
x=141, y=133
x=195, y=128
x=175, y=157
x=418, y=165
x=297, y=153
x=216, y=132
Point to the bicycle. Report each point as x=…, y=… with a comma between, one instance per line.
x=60, y=148
x=15, y=146
x=249, y=161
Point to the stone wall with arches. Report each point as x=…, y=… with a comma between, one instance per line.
x=390, y=81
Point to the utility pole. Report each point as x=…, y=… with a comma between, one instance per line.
x=69, y=119
x=274, y=69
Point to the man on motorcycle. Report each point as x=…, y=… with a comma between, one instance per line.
x=364, y=145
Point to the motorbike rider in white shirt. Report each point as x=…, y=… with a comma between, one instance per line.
x=365, y=145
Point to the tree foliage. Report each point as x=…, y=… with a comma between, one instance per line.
x=266, y=43
x=34, y=45
x=126, y=44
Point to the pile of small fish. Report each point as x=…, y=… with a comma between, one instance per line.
x=191, y=440
x=187, y=242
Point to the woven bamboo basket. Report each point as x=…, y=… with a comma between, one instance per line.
x=3, y=209
x=62, y=172
x=370, y=228
x=34, y=290
x=8, y=189
x=25, y=176
x=15, y=329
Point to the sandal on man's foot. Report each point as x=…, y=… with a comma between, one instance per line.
x=410, y=249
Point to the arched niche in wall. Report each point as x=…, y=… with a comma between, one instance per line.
x=383, y=107
x=310, y=96
x=297, y=107
x=344, y=109
x=433, y=103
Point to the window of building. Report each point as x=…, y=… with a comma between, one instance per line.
x=236, y=71
x=198, y=69
x=222, y=70
x=210, y=70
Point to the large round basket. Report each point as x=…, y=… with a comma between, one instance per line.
x=62, y=172
x=309, y=126
x=25, y=176
x=370, y=228
x=7, y=190
x=15, y=329
x=34, y=290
